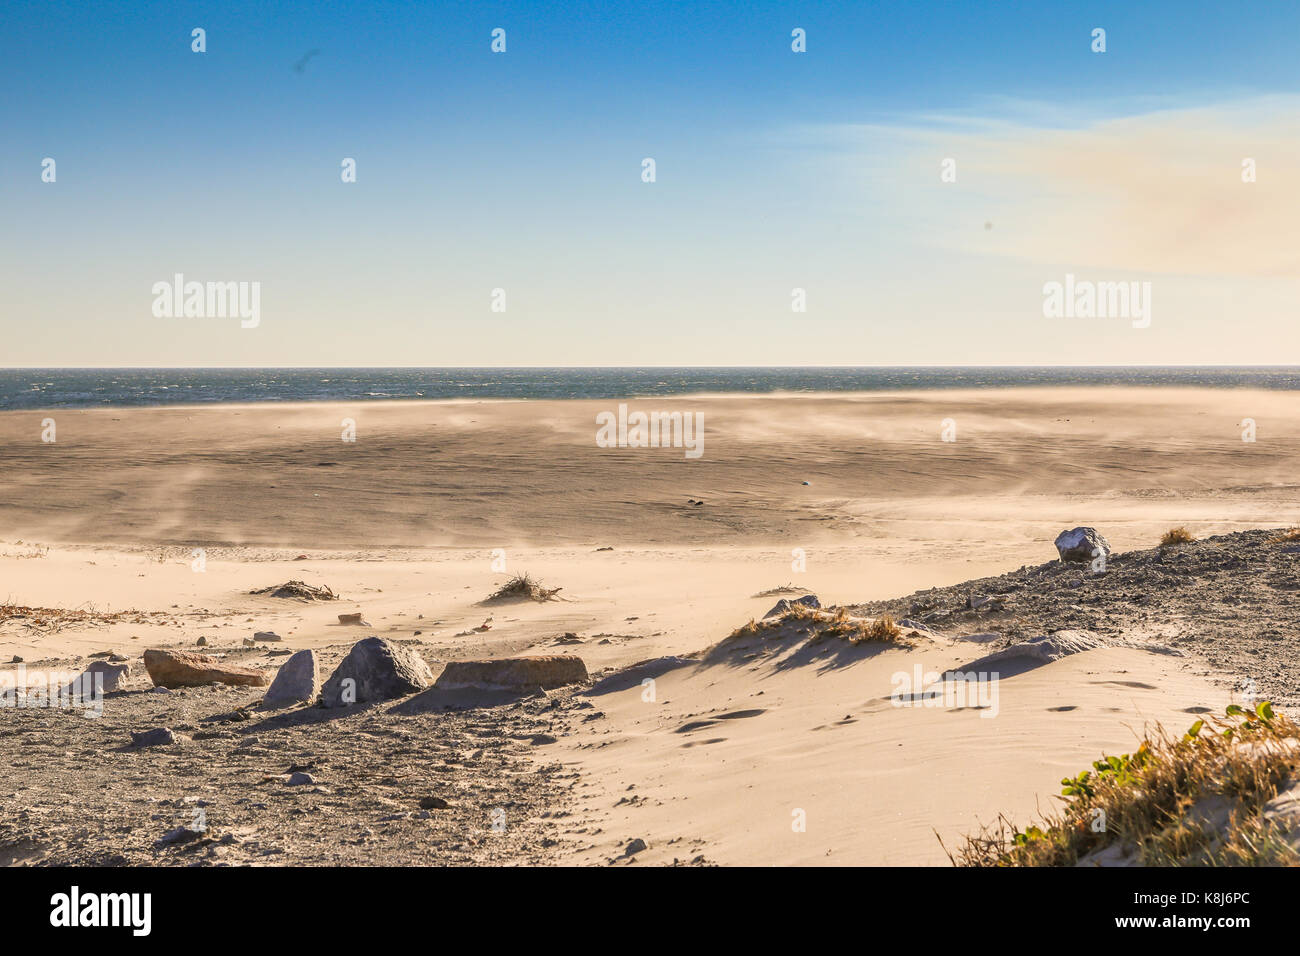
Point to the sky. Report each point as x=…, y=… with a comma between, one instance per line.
x=775, y=171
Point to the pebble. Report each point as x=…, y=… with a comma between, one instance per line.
x=158, y=737
x=179, y=835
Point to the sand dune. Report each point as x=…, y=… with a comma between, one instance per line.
x=729, y=759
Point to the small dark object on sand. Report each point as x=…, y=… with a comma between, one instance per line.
x=522, y=587
x=298, y=590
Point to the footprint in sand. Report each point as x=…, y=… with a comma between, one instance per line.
x=686, y=728
x=694, y=725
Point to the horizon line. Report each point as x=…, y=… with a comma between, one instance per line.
x=168, y=368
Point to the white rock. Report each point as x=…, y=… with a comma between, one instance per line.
x=1081, y=545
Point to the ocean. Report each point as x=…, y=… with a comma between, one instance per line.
x=90, y=388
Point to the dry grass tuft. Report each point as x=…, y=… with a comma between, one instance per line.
x=1192, y=800
x=750, y=629
x=883, y=628
x=522, y=587
x=1175, y=536
x=823, y=623
x=1290, y=534
x=783, y=589
x=299, y=591
x=803, y=612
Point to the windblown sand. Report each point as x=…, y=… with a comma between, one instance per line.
x=410, y=524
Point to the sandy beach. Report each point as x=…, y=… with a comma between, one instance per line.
x=535, y=437
x=155, y=524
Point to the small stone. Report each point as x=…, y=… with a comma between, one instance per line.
x=434, y=803
x=179, y=835
x=158, y=737
x=202, y=642
x=297, y=681
x=636, y=846
x=299, y=779
x=110, y=674
x=267, y=636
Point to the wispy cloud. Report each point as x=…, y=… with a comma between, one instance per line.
x=1157, y=192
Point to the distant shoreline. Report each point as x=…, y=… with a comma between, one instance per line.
x=79, y=388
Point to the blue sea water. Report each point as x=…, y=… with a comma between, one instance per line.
x=89, y=388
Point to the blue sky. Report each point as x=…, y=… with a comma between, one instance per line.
x=521, y=171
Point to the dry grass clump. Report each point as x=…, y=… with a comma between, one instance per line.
x=883, y=628
x=803, y=612
x=298, y=591
x=523, y=587
x=751, y=629
x=783, y=589
x=1175, y=536
x=1161, y=802
x=1290, y=534
x=862, y=631
x=824, y=623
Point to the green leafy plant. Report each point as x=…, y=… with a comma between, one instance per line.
x=1141, y=803
x=1118, y=771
